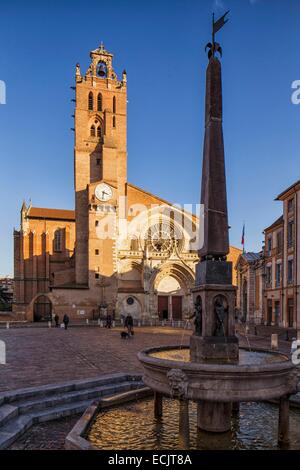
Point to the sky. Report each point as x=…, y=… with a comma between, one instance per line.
x=161, y=46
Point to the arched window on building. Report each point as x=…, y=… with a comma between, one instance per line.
x=99, y=131
x=134, y=244
x=114, y=105
x=99, y=102
x=91, y=101
x=93, y=131
x=58, y=240
x=114, y=121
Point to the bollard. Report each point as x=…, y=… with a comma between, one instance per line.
x=99, y=323
x=49, y=324
x=87, y=321
x=283, y=422
x=139, y=324
x=7, y=325
x=287, y=337
x=274, y=341
x=113, y=324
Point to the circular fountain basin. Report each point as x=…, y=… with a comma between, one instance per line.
x=258, y=376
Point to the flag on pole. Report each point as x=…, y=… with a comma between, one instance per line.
x=243, y=238
x=220, y=23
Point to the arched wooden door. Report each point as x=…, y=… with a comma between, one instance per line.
x=42, y=309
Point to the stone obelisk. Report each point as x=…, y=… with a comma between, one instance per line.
x=214, y=293
x=214, y=339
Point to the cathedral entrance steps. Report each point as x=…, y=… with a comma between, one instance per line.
x=20, y=409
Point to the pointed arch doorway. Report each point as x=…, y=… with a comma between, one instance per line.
x=42, y=309
x=169, y=299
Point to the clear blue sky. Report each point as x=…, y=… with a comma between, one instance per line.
x=161, y=45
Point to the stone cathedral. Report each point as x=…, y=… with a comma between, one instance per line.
x=123, y=250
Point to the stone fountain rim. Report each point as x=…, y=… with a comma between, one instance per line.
x=144, y=357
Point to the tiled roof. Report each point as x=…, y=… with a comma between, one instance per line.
x=251, y=256
x=281, y=195
x=274, y=224
x=55, y=214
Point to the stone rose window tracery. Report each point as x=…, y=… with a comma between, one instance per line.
x=162, y=238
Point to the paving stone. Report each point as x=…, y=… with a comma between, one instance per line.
x=37, y=356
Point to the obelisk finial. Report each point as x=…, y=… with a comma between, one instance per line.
x=214, y=46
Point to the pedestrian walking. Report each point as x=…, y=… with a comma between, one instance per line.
x=56, y=319
x=108, y=320
x=66, y=321
x=129, y=324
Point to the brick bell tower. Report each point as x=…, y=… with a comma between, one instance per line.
x=100, y=163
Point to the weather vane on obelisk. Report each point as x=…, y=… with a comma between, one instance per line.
x=216, y=26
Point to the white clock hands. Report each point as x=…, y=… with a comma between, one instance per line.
x=103, y=192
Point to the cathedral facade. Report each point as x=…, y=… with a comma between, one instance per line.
x=123, y=250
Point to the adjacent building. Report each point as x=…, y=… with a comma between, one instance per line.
x=6, y=293
x=268, y=282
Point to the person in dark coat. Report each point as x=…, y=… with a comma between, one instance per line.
x=129, y=324
x=108, y=320
x=56, y=319
x=66, y=320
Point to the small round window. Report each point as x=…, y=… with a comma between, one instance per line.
x=130, y=300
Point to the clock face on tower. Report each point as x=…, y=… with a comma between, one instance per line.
x=103, y=192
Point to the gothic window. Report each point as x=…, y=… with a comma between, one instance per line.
x=93, y=131
x=114, y=105
x=99, y=131
x=58, y=240
x=99, y=102
x=163, y=237
x=134, y=244
x=91, y=101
